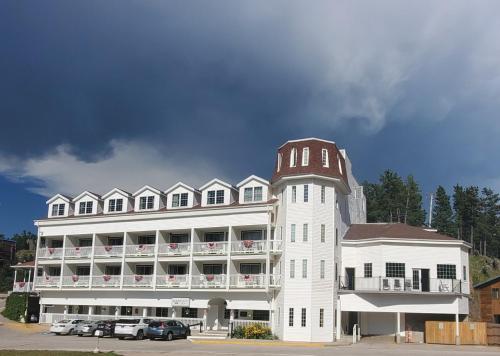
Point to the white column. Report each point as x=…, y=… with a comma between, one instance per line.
x=15, y=279
x=228, y=266
x=123, y=259
x=457, y=328
x=92, y=261
x=205, y=317
x=155, y=266
x=145, y=312
x=190, y=271
x=30, y=288
x=62, y=260
x=174, y=313
x=338, y=332
x=65, y=310
x=268, y=248
x=91, y=311
x=398, y=327
x=36, y=256
x=117, y=312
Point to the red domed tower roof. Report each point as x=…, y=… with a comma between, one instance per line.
x=325, y=159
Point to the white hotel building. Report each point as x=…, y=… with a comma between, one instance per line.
x=293, y=253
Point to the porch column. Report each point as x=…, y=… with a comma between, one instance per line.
x=338, y=332
x=398, y=327
x=457, y=329
x=15, y=279
x=29, y=280
x=91, y=311
x=174, y=312
x=145, y=312
x=65, y=310
x=117, y=312
x=205, y=317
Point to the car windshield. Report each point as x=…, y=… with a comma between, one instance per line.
x=64, y=321
x=128, y=321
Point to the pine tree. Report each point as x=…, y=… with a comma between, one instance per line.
x=372, y=194
x=393, y=197
x=488, y=222
x=442, y=215
x=414, y=213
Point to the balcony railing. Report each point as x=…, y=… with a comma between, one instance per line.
x=245, y=247
x=138, y=280
x=78, y=252
x=274, y=281
x=275, y=246
x=208, y=281
x=402, y=285
x=47, y=281
x=76, y=281
x=22, y=286
x=210, y=248
x=50, y=253
x=247, y=281
x=108, y=251
x=140, y=250
x=106, y=281
x=172, y=281
x=174, y=249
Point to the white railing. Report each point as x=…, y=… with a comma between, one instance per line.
x=106, y=281
x=274, y=280
x=108, y=251
x=248, y=247
x=172, y=281
x=208, y=281
x=22, y=286
x=243, y=323
x=50, y=252
x=76, y=281
x=210, y=248
x=396, y=284
x=174, y=249
x=275, y=245
x=78, y=252
x=138, y=280
x=47, y=281
x=248, y=281
x=140, y=250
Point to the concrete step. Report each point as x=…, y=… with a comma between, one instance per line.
x=209, y=335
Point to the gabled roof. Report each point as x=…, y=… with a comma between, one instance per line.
x=57, y=196
x=252, y=177
x=117, y=190
x=147, y=187
x=180, y=184
x=216, y=180
x=392, y=231
x=487, y=282
x=90, y=194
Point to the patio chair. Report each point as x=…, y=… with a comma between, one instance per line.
x=385, y=284
x=397, y=284
x=443, y=287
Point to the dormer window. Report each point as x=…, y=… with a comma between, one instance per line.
x=85, y=207
x=146, y=203
x=252, y=194
x=324, y=157
x=340, y=164
x=305, y=156
x=58, y=209
x=215, y=197
x=115, y=205
x=179, y=200
x=279, y=162
x=293, y=157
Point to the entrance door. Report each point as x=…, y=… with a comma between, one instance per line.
x=425, y=280
x=213, y=317
x=350, y=273
x=415, y=285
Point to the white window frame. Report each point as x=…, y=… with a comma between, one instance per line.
x=293, y=157
x=323, y=194
x=294, y=193
x=305, y=156
x=292, y=232
x=88, y=207
x=306, y=193
x=149, y=202
x=305, y=232
x=113, y=205
x=323, y=233
x=304, y=268
x=292, y=269
x=279, y=162
x=340, y=164
x=324, y=158
x=322, y=269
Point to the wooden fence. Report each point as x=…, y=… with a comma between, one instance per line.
x=493, y=331
x=443, y=332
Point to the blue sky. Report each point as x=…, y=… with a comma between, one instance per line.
x=125, y=93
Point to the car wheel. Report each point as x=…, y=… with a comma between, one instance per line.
x=140, y=335
x=70, y=332
x=80, y=335
x=170, y=336
x=121, y=338
x=188, y=333
x=57, y=333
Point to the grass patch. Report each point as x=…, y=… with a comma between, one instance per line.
x=50, y=353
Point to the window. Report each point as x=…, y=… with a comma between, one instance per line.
x=215, y=236
x=304, y=268
x=261, y=315
x=189, y=312
x=292, y=233
x=83, y=270
x=144, y=270
x=251, y=235
x=219, y=197
x=115, y=205
x=177, y=269
x=248, y=195
x=321, y=317
x=292, y=268
x=179, y=238
x=396, y=270
x=279, y=162
x=293, y=157
x=115, y=241
x=146, y=239
x=306, y=193
x=112, y=270
x=184, y=199
x=250, y=268
x=303, y=318
x=290, y=317
x=446, y=272
x=340, y=164
x=58, y=209
x=322, y=269
x=323, y=188
x=294, y=194
x=179, y=200
x=336, y=237
x=257, y=194
x=465, y=274
x=324, y=157
x=252, y=194
x=305, y=156
x=212, y=269
x=368, y=270
x=85, y=207
x=162, y=312
x=336, y=274
x=495, y=293
x=146, y=203
x=85, y=242
x=305, y=232
x=322, y=232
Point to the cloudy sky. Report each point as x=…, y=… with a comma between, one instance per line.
x=100, y=94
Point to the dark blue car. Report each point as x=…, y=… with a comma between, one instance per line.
x=167, y=330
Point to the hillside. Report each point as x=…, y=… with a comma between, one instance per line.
x=483, y=268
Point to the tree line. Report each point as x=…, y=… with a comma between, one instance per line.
x=469, y=213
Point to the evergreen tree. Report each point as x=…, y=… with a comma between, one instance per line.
x=393, y=197
x=414, y=213
x=442, y=215
x=372, y=194
x=488, y=222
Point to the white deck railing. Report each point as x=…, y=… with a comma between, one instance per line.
x=208, y=281
x=172, y=281
x=210, y=248
x=47, y=281
x=275, y=280
x=248, y=281
x=108, y=251
x=106, y=281
x=50, y=252
x=140, y=250
x=138, y=280
x=243, y=323
x=248, y=247
x=76, y=281
x=22, y=286
x=174, y=249
x=396, y=284
x=78, y=252
x=275, y=246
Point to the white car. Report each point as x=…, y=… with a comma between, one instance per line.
x=135, y=328
x=67, y=326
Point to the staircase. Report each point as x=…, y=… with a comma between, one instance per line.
x=209, y=335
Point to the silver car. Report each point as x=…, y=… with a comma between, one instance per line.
x=86, y=328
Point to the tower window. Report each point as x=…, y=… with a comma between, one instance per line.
x=305, y=156
x=324, y=157
x=279, y=162
x=293, y=157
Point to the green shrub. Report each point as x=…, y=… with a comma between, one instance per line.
x=253, y=331
x=15, y=306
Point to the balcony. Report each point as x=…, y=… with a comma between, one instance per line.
x=247, y=281
x=22, y=287
x=174, y=249
x=275, y=246
x=401, y=285
x=210, y=248
x=209, y=281
x=108, y=251
x=138, y=281
x=47, y=281
x=275, y=281
x=75, y=281
x=106, y=281
x=251, y=247
x=142, y=250
x=172, y=281
x=78, y=252
x=53, y=253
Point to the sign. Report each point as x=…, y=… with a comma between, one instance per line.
x=180, y=302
